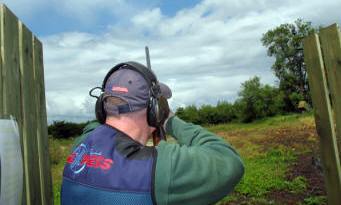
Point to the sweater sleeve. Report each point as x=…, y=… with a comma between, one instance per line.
x=201, y=169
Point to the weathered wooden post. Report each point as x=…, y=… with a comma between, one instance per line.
x=22, y=95
x=322, y=55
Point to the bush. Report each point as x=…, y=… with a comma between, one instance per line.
x=258, y=101
x=255, y=101
x=223, y=112
x=62, y=129
x=226, y=112
x=209, y=115
x=189, y=114
x=295, y=98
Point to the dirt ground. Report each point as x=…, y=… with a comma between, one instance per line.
x=302, y=139
x=309, y=167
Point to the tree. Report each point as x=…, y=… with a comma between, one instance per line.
x=285, y=43
x=189, y=113
x=62, y=129
x=249, y=101
x=226, y=112
x=256, y=100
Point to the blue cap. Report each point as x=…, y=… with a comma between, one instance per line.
x=131, y=87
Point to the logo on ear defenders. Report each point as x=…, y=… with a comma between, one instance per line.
x=119, y=89
x=83, y=157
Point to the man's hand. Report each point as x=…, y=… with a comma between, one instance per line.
x=163, y=110
x=164, y=114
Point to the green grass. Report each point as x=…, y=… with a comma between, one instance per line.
x=59, y=150
x=267, y=162
x=261, y=124
x=315, y=200
x=265, y=165
x=264, y=173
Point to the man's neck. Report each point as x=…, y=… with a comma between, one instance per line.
x=130, y=127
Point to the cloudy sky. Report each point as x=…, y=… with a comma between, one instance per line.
x=202, y=49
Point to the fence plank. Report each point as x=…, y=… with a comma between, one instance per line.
x=331, y=48
x=11, y=85
x=1, y=56
x=28, y=103
x=10, y=71
x=323, y=118
x=44, y=160
x=22, y=95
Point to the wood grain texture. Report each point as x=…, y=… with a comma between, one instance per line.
x=28, y=102
x=1, y=57
x=331, y=48
x=22, y=93
x=323, y=118
x=42, y=136
x=11, y=95
x=11, y=75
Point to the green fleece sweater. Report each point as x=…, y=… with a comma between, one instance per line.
x=200, y=169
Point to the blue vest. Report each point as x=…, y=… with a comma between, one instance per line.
x=109, y=167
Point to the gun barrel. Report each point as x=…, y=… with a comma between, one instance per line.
x=148, y=58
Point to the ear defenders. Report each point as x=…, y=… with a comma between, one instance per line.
x=156, y=102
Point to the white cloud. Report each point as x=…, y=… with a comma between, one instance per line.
x=148, y=19
x=203, y=53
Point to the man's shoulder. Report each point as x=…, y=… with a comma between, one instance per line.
x=87, y=129
x=91, y=126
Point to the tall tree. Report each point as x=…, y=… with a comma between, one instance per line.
x=285, y=43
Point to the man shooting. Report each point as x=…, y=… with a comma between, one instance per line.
x=111, y=164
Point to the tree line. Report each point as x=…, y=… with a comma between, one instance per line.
x=63, y=129
x=255, y=100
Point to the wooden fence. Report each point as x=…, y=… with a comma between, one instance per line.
x=22, y=94
x=322, y=54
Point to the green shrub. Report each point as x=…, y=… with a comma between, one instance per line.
x=297, y=185
x=257, y=100
x=62, y=129
x=189, y=114
x=315, y=200
x=208, y=115
x=223, y=112
x=264, y=173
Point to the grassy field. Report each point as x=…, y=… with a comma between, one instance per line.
x=280, y=156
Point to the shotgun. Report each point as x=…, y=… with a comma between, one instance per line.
x=160, y=133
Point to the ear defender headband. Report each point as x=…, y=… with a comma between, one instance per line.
x=154, y=116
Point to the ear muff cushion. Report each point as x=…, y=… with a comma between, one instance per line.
x=158, y=111
x=99, y=109
x=163, y=110
x=152, y=112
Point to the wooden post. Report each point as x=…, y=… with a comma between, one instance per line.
x=29, y=115
x=331, y=48
x=11, y=95
x=323, y=118
x=43, y=148
x=22, y=95
x=10, y=64
x=1, y=57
